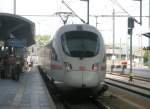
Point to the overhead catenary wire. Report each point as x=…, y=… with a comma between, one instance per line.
x=109, y=15
x=72, y=11
x=54, y=15
x=120, y=6
x=58, y=6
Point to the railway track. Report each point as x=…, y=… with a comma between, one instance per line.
x=108, y=101
x=64, y=101
x=135, y=77
x=135, y=88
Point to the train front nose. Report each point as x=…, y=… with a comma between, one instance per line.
x=90, y=79
x=81, y=79
x=73, y=78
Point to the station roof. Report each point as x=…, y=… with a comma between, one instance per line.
x=20, y=27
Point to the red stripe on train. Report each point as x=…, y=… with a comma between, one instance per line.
x=56, y=66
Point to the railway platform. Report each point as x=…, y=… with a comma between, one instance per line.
x=29, y=93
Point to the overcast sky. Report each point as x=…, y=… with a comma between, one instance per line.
x=48, y=25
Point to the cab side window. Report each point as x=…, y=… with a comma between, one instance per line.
x=54, y=55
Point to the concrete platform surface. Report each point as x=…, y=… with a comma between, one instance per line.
x=29, y=93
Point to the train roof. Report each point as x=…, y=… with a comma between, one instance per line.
x=20, y=27
x=76, y=27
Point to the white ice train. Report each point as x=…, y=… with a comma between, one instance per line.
x=75, y=57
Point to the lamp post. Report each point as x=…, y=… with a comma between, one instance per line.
x=131, y=52
x=15, y=7
x=88, y=5
x=141, y=60
x=149, y=14
x=149, y=38
x=140, y=11
x=130, y=31
x=113, y=35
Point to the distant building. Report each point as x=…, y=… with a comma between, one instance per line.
x=122, y=53
x=147, y=34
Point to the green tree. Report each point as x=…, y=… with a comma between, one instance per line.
x=42, y=39
x=145, y=57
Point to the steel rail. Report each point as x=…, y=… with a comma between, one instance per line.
x=135, y=77
x=129, y=89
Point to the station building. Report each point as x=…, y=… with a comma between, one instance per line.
x=147, y=34
x=122, y=54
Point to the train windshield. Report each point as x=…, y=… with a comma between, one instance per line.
x=80, y=44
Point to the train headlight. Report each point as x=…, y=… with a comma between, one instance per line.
x=68, y=66
x=95, y=67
